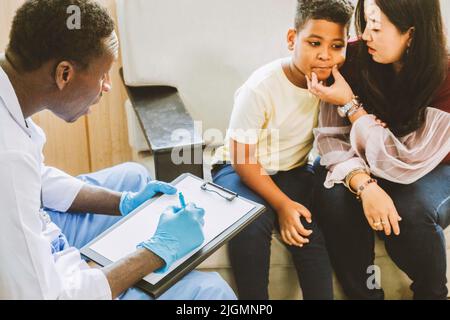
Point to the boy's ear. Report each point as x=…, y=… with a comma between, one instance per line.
x=291, y=37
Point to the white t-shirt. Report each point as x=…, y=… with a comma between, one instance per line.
x=277, y=116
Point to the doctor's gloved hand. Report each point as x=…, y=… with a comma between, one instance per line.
x=179, y=231
x=131, y=200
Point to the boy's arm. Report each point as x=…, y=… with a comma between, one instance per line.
x=253, y=174
x=256, y=178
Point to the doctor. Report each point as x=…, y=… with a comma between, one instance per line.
x=47, y=214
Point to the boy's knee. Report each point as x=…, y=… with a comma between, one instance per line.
x=317, y=235
x=259, y=231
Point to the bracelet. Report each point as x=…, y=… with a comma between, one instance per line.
x=364, y=186
x=346, y=108
x=350, y=176
x=354, y=110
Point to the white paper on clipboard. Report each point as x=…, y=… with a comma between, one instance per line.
x=219, y=215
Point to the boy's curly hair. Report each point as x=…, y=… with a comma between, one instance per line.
x=338, y=11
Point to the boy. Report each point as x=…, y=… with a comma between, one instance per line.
x=265, y=157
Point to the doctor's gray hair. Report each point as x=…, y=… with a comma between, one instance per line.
x=40, y=34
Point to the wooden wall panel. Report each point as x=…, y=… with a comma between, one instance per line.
x=92, y=143
x=107, y=126
x=7, y=10
x=67, y=144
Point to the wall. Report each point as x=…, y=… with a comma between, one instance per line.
x=96, y=141
x=99, y=140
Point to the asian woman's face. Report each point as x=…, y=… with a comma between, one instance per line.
x=385, y=42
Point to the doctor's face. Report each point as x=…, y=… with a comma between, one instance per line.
x=85, y=90
x=80, y=89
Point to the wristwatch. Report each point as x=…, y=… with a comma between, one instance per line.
x=345, y=109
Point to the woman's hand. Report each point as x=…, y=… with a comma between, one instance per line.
x=338, y=94
x=380, y=210
x=291, y=229
x=381, y=122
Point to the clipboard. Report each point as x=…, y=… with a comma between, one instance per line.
x=210, y=191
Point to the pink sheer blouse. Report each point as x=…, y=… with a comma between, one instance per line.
x=366, y=144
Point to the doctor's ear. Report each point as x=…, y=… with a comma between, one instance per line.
x=64, y=74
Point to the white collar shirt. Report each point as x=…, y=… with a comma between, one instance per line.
x=29, y=269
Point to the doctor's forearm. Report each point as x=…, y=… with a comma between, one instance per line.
x=92, y=199
x=126, y=272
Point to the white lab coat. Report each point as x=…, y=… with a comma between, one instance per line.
x=28, y=269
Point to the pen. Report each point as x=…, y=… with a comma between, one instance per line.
x=182, y=201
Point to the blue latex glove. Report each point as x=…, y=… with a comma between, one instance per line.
x=131, y=200
x=179, y=232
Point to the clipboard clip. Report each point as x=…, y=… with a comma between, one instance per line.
x=229, y=195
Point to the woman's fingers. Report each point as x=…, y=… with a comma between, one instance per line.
x=395, y=218
x=375, y=223
x=308, y=82
x=386, y=225
x=336, y=74
x=315, y=80
x=317, y=88
x=311, y=87
x=381, y=123
x=394, y=223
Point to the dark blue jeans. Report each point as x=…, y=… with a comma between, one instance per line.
x=419, y=250
x=249, y=251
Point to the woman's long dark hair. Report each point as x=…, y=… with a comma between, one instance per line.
x=401, y=99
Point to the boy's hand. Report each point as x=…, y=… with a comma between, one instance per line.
x=291, y=229
x=338, y=94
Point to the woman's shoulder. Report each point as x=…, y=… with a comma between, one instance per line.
x=441, y=99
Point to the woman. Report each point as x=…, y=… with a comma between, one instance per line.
x=397, y=166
